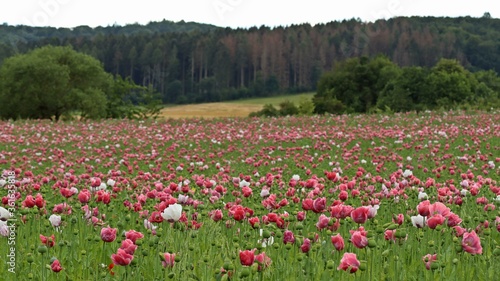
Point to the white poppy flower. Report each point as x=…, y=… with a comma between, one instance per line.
x=407, y=173
x=418, y=221
x=266, y=241
x=372, y=210
x=264, y=192
x=296, y=177
x=244, y=183
x=182, y=198
x=4, y=214
x=172, y=213
x=422, y=196
x=55, y=220
x=4, y=229
x=74, y=190
x=111, y=182
x=149, y=225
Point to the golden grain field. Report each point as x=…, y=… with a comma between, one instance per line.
x=241, y=108
x=210, y=110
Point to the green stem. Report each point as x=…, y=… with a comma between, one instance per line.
x=371, y=261
x=43, y=267
x=103, y=259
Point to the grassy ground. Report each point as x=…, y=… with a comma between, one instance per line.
x=276, y=100
x=239, y=108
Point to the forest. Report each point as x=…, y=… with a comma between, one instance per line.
x=188, y=62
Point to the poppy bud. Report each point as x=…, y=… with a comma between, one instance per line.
x=245, y=272
x=30, y=258
x=42, y=249
x=400, y=234
x=496, y=252
x=372, y=243
x=392, y=226
x=228, y=265
x=330, y=264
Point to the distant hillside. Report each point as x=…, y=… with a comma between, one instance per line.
x=10, y=34
x=191, y=62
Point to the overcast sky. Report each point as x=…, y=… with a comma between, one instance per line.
x=232, y=13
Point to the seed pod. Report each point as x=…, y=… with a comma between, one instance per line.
x=393, y=226
x=372, y=243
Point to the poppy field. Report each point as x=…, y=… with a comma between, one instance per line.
x=351, y=197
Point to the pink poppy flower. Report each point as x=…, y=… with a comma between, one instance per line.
x=301, y=215
x=95, y=182
x=84, y=196
x=156, y=217
x=343, y=195
x=307, y=204
x=390, y=235
x=108, y=234
x=428, y=259
x=62, y=208
x=56, y=266
x=247, y=257
x=322, y=222
x=263, y=260
x=48, y=241
x=306, y=245
x=128, y=246
x=359, y=239
x=439, y=208
x=399, y=219
x=122, y=257
x=349, y=262
x=338, y=242
x=423, y=208
x=39, y=201
x=459, y=231
x=435, y=220
x=29, y=202
x=360, y=215
x=471, y=243
x=215, y=215
x=453, y=220
x=254, y=221
x=133, y=235
x=319, y=205
x=168, y=260
x=288, y=237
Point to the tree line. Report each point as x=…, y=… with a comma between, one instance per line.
x=361, y=85
x=59, y=83
x=188, y=62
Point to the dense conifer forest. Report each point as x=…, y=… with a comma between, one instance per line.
x=190, y=62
